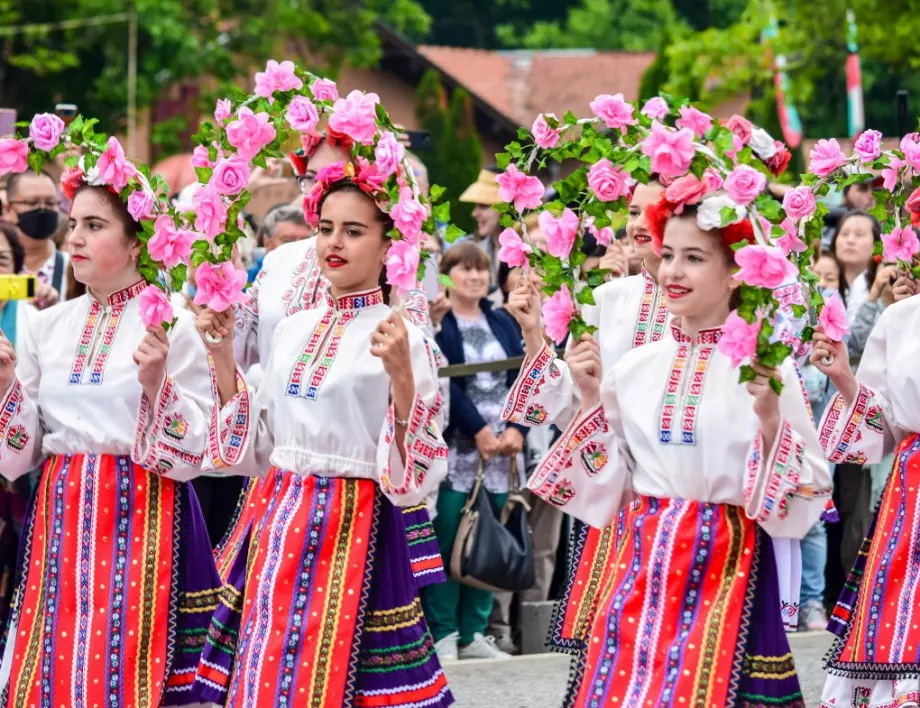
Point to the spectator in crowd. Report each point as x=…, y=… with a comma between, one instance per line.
x=633, y=257
x=34, y=204
x=853, y=247
x=483, y=193
x=856, y=197
x=472, y=332
x=283, y=223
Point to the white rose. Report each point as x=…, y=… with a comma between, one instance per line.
x=709, y=213
x=762, y=143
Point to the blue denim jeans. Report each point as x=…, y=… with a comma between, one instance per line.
x=814, y=558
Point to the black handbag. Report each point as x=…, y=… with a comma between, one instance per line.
x=493, y=550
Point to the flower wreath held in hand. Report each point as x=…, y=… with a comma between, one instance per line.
x=166, y=239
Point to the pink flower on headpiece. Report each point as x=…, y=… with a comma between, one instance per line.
x=219, y=286
x=309, y=142
x=744, y=184
x=910, y=146
x=560, y=233
x=311, y=205
x=694, y=119
x=739, y=338
x=868, y=146
x=515, y=187
x=408, y=215
x=140, y=205
x=737, y=146
x=913, y=202
x=250, y=132
x=891, y=175
x=223, y=110
x=790, y=240
x=655, y=108
x=388, y=153
x=45, y=131
x=155, y=308
x=231, y=175
x=201, y=157
x=402, y=265
x=544, y=136
x=799, y=202
x=325, y=90
x=356, y=116
x=302, y=115
x=210, y=211
x=114, y=168
x=604, y=236
x=671, y=150
x=712, y=180
x=900, y=244
x=170, y=245
x=71, y=181
x=833, y=318
x=825, y=157
x=558, y=311
x=741, y=127
x=276, y=77
x=613, y=110
x=763, y=266
x=14, y=155
x=370, y=178
x=513, y=250
x=330, y=174
x=685, y=190
x=608, y=183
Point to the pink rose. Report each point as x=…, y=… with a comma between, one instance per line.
x=825, y=157
x=369, y=178
x=231, y=175
x=170, y=245
x=14, y=155
x=685, y=190
x=219, y=286
x=910, y=146
x=388, y=153
x=891, y=175
x=913, y=202
x=694, y=119
x=614, y=111
x=741, y=127
x=544, y=136
x=560, y=233
x=655, y=108
x=356, y=117
x=900, y=244
x=223, y=110
x=201, y=157
x=408, y=215
x=604, y=236
x=739, y=338
x=325, y=90
x=515, y=187
x=763, y=266
x=799, y=202
x=155, y=308
x=311, y=205
x=140, y=205
x=250, y=132
x=45, y=131
x=790, y=240
x=114, y=168
x=712, y=179
x=833, y=318
x=402, y=266
x=309, y=142
x=558, y=311
x=608, y=183
x=671, y=150
x=868, y=146
x=744, y=184
x=210, y=211
x=331, y=173
x=513, y=250
x=302, y=115
x=277, y=77
x=737, y=146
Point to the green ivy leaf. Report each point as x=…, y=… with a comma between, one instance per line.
x=453, y=233
x=204, y=174
x=442, y=212
x=436, y=192
x=769, y=208
x=585, y=296
x=445, y=281
x=776, y=385
x=36, y=160
x=570, y=118
x=747, y=374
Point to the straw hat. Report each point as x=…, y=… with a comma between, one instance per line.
x=483, y=191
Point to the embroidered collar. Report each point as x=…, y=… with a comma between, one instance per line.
x=356, y=301
x=122, y=296
x=648, y=276
x=704, y=337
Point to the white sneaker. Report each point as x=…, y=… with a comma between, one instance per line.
x=482, y=648
x=446, y=648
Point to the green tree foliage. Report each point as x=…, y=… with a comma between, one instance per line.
x=177, y=39
x=473, y=23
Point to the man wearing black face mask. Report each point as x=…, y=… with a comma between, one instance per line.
x=33, y=208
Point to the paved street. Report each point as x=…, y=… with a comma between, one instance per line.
x=538, y=681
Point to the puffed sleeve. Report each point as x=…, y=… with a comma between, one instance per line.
x=587, y=471
x=246, y=336
x=172, y=430
x=787, y=488
x=866, y=430
x=407, y=483
x=20, y=422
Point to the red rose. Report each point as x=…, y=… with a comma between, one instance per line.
x=71, y=181
x=780, y=161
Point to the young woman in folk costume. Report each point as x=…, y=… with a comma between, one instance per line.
x=326, y=605
x=117, y=580
x=691, y=610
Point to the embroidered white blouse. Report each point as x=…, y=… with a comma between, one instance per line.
x=887, y=405
x=323, y=407
x=675, y=423
x=76, y=390
x=629, y=312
